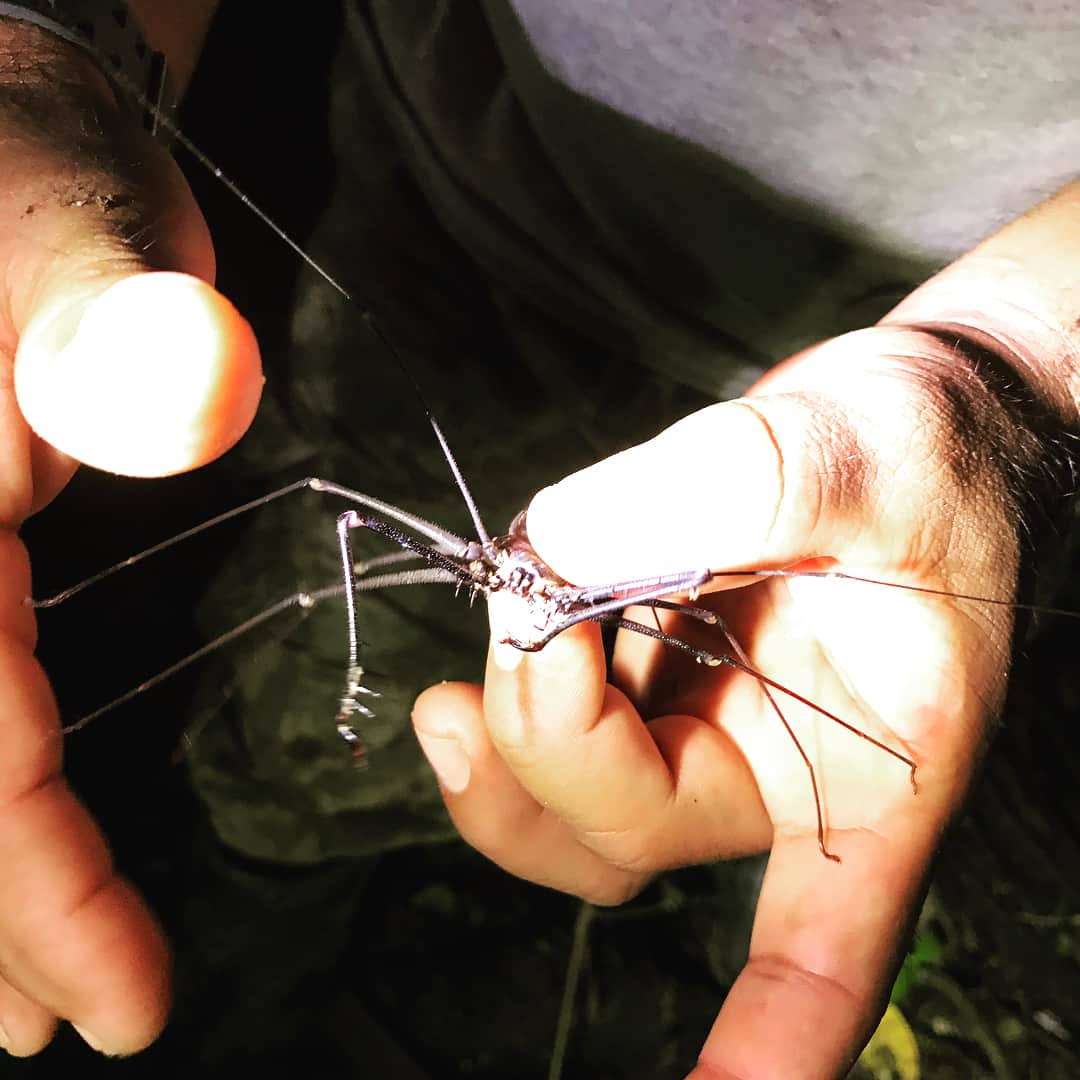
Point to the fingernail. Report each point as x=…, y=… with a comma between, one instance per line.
x=507, y=657
x=502, y=609
x=91, y=1040
x=5, y=1038
x=449, y=760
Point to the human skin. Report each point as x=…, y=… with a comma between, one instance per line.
x=886, y=452
x=77, y=943
x=141, y=373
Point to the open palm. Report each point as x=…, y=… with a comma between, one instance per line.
x=847, y=458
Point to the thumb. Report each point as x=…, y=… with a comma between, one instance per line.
x=136, y=372
x=145, y=374
x=702, y=494
x=763, y=481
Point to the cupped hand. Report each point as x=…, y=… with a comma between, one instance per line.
x=132, y=371
x=879, y=454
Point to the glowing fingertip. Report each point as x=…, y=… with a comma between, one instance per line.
x=507, y=658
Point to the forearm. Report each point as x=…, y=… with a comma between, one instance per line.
x=1018, y=292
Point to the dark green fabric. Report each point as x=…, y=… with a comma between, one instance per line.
x=523, y=398
x=651, y=244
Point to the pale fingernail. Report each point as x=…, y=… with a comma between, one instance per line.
x=503, y=608
x=449, y=760
x=91, y=1040
x=5, y=1038
x=506, y=656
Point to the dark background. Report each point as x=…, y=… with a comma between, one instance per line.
x=429, y=962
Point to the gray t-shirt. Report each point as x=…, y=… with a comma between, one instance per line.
x=713, y=185
x=922, y=125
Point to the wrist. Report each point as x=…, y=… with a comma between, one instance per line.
x=1018, y=295
x=1011, y=413
x=1041, y=351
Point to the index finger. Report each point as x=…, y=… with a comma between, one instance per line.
x=75, y=940
x=643, y=795
x=826, y=943
x=153, y=375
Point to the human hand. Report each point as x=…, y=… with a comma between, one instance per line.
x=139, y=373
x=880, y=453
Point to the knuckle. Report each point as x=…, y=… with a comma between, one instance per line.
x=632, y=851
x=617, y=889
x=498, y=836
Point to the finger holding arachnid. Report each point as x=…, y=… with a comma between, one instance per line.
x=643, y=796
x=495, y=814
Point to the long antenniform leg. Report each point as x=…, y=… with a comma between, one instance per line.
x=739, y=660
x=597, y=604
x=442, y=569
